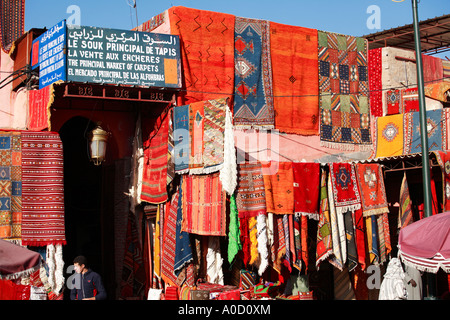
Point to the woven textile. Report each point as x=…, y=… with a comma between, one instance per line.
x=133, y=271
x=295, y=82
x=234, y=241
x=250, y=193
x=278, y=188
x=446, y=68
x=372, y=239
x=324, y=241
x=42, y=189
x=438, y=90
x=336, y=259
x=214, y=129
x=181, y=138
x=432, y=68
x=204, y=205
x=393, y=101
x=10, y=185
x=372, y=189
x=389, y=136
x=199, y=136
x=402, y=100
x=278, y=248
x=12, y=14
x=38, y=101
x=405, y=215
x=154, y=180
x=169, y=242
x=374, y=69
x=183, y=250
x=207, y=53
x=343, y=87
x=345, y=187
x=436, y=128
x=253, y=101
x=306, y=188
x=352, y=254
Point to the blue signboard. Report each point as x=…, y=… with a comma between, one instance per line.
x=48, y=54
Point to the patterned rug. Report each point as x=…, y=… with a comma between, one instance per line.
x=372, y=189
x=12, y=22
x=42, y=189
x=38, y=106
x=250, y=193
x=207, y=53
x=253, y=99
x=405, y=214
x=345, y=187
x=432, y=68
x=204, y=205
x=443, y=158
x=324, y=241
x=154, y=179
x=374, y=66
x=295, y=81
x=436, y=128
x=10, y=185
x=446, y=68
x=344, y=90
x=306, y=189
x=183, y=250
x=278, y=188
x=199, y=134
x=389, y=136
x=168, y=246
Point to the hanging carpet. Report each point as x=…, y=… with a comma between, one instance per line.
x=295, y=78
x=374, y=67
x=306, y=189
x=278, y=184
x=344, y=90
x=253, y=99
x=12, y=14
x=389, y=136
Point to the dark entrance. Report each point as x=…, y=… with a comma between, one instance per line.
x=83, y=195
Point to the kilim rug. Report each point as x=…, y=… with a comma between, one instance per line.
x=196, y=130
x=324, y=241
x=181, y=138
x=10, y=185
x=204, y=205
x=374, y=66
x=154, y=179
x=12, y=16
x=389, y=136
x=278, y=248
x=133, y=271
x=42, y=189
x=278, y=188
x=438, y=90
x=393, y=101
x=336, y=259
x=295, y=81
x=372, y=189
x=344, y=96
x=405, y=215
x=436, y=128
x=183, y=250
x=253, y=99
x=38, y=106
x=402, y=100
x=306, y=188
x=446, y=68
x=169, y=241
x=207, y=53
x=432, y=68
x=345, y=187
x=352, y=254
x=372, y=239
x=250, y=193
x=213, y=136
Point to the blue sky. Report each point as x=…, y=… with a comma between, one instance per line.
x=345, y=16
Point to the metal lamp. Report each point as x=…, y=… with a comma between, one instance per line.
x=98, y=140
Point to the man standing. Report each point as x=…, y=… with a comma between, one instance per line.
x=90, y=283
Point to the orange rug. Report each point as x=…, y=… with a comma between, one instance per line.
x=207, y=53
x=295, y=78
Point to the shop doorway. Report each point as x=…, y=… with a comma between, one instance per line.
x=83, y=196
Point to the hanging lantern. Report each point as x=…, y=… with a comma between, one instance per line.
x=98, y=140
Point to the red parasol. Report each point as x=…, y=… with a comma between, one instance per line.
x=17, y=261
x=425, y=244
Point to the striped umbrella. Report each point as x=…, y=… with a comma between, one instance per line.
x=425, y=244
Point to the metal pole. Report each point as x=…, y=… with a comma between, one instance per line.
x=424, y=136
